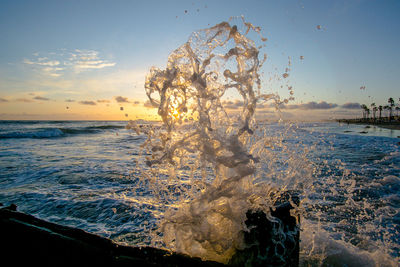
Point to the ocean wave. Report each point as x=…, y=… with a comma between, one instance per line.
x=45, y=133
x=106, y=127
x=57, y=132
x=90, y=129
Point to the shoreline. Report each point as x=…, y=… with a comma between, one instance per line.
x=390, y=126
x=393, y=125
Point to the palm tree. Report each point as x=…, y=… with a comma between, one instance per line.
x=380, y=112
x=391, y=105
x=397, y=110
x=398, y=105
x=373, y=106
x=364, y=108
x=375, y=109
x=386, y=108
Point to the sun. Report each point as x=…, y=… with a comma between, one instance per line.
x=174, y=112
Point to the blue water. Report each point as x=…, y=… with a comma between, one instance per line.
x=83, y=174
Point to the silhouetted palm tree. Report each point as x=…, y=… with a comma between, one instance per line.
x=373, y=106
x=386, y=108
x=364, y=108
x=380, y=112
x=375, y=109
x=391, y=105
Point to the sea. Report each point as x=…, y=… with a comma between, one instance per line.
x=86, y=174
x=186, y=183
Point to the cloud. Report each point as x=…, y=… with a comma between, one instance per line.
x=347, y=111
x=42, y=62
x=103, y=101
x=41, y=98
x=232, y=104
x=91, y=103
x=47, y=66
x=351, y=105
x=121, y=99
x=69, y=100
x=50, y=63
x=265, y=112
x=24, y=100
x=236, y=104
x=93, y=65
x=52, y=71
x=310, y=105
x=82, y=60
x=58, y=63
x=323, y=105
x=3, y=100
x=147, y=104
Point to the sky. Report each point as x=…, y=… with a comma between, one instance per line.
x=87, y=60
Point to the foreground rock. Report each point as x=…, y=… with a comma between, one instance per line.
x=272, y=242
x=28, y=241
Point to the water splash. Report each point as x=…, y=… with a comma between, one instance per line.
x=206, y=166
x=208, y=161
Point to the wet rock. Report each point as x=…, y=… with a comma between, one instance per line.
x=272, y=240
x=29, y=241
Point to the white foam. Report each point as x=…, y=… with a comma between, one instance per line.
x=320, y=248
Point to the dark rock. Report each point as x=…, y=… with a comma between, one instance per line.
x=29, y=241
x=272, y=240
x=12, y=207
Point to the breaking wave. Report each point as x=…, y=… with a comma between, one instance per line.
x=42, y=133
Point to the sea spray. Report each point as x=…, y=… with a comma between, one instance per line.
x=207, y=163
x=210, y=166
